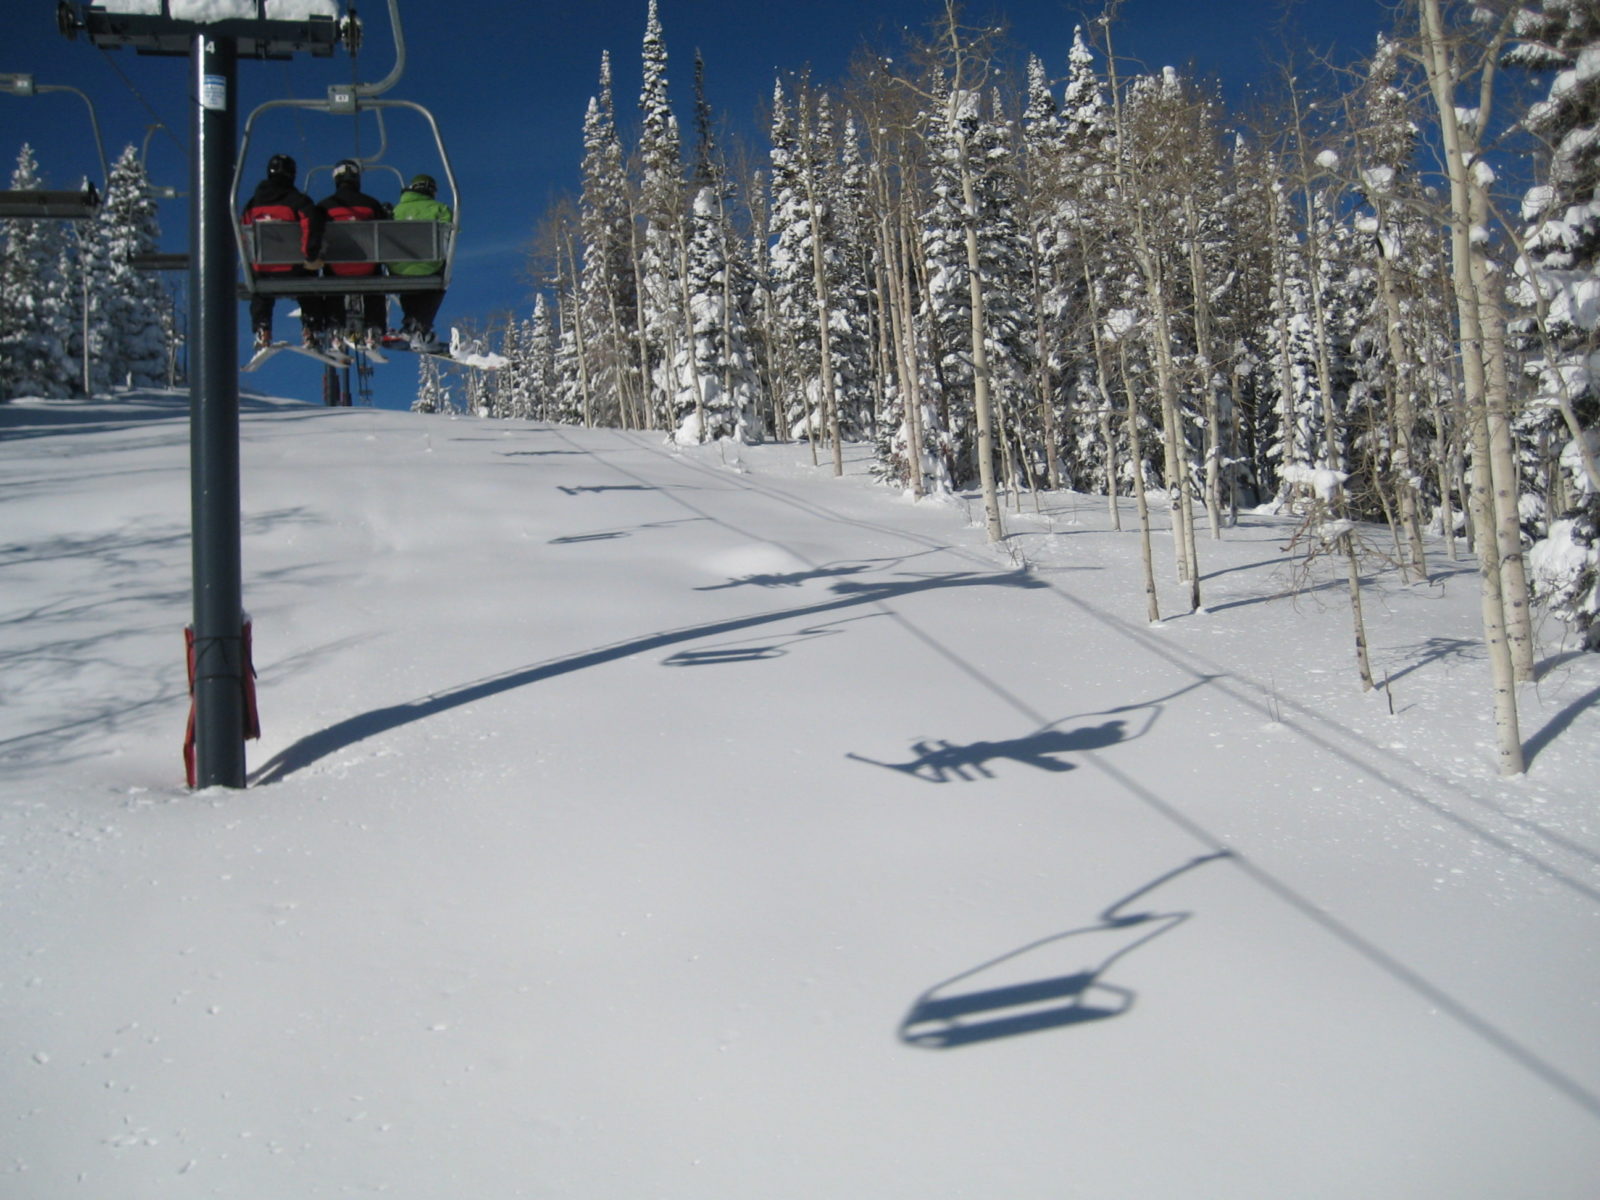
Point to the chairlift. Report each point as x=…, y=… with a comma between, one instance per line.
x=17, y=204
x=277, y=243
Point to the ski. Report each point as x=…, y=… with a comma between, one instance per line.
x=261, y=355
x=331, y=358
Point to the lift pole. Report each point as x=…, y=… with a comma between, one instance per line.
x=219, y=658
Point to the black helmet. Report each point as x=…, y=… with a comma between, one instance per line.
x=282, y=165
x=347, y=168
x=424, y=184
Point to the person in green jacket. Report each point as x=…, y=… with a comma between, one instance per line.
x=419, y=203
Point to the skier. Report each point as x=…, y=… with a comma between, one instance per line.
x=350, y=203
x=277, y=199
x=418, y=203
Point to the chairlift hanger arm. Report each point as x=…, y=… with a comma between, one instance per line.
x=24, y=85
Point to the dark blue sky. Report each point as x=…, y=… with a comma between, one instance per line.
x=508, y=81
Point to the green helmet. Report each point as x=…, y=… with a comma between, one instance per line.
x=424, y=184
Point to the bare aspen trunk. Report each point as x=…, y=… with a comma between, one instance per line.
x=1141, y=501
x=1103, y=384
x=819, y=272
x=897, y=257
x=1441, y=79
x=579, y=341
x=980, y=352
x=1201, y=286
x=1507, y=481
x=1413, y=561
x=1041, y=355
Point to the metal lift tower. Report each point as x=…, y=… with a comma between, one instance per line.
x=213, y=49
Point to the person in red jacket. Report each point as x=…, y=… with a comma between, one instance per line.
x=350, y=203
x=277, y=199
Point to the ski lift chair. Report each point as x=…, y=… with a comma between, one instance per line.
x=277, y=243
x=34, y=205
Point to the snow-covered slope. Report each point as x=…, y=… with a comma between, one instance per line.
x=642, y=822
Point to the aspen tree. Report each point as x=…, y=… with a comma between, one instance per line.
x=1445, y=70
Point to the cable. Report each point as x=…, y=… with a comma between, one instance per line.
x=105, y=53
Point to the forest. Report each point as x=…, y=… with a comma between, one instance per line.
x=1371, y=304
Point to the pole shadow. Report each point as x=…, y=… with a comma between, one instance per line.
x=337, y=737
x=998, y=999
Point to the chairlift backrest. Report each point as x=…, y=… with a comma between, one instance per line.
x=19, y=205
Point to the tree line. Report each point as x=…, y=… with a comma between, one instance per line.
x=1376, y=309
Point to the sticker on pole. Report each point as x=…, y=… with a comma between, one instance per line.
x=214, y=93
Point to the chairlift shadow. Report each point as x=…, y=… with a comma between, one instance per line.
x=786, y=579
x=998, y=999
x=596, y=488
x=941, y=761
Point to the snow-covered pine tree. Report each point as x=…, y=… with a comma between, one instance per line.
x=1387, y=369
x=850, y=268
x=1042, y=176
x=796, y=346
x=126, y=303
x=608, y=288
x=539, y=353
x=715, y=356
x=1558, y=274
x=1088, y=262
x=432, y=395
x=39, y=310
x=662, y=236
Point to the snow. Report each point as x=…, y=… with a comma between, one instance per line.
x=205, y=11
x=1328, y=160
x=1324, y=483
x=634, y=822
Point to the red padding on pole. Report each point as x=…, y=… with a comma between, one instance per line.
x=247, y=676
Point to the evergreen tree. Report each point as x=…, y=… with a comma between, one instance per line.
x=1558, y=274
x=126, y=307
x=38, y=309
x=608, y=289
x=663, y=236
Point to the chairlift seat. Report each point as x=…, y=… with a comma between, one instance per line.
x=277, y=243
x=62, y=206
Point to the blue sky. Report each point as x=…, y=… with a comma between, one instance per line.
x=508, y=82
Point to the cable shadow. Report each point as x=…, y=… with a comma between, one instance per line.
x=954, y=1013
x=346, y=733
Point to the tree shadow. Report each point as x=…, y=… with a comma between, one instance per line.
x=1007, y=996
x=1431, y=650
x=1559, y=724
x=319, y=745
